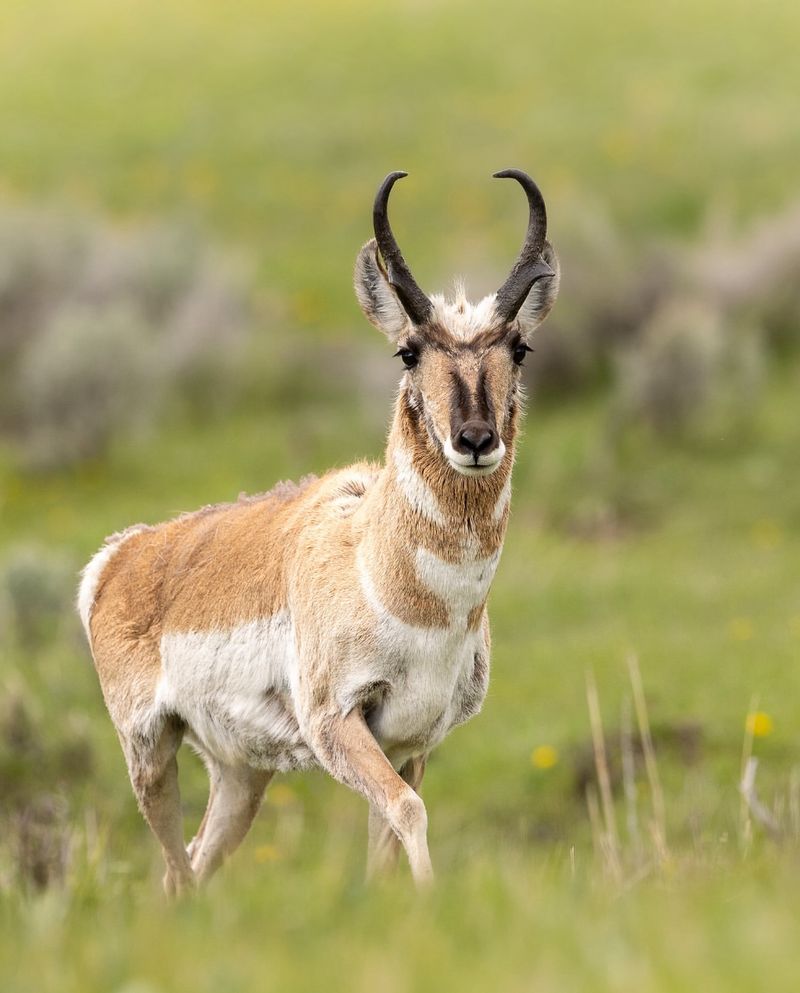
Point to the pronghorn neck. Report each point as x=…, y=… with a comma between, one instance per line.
x=428, y=494
x=432, y=538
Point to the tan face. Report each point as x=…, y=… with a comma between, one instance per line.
x=466, y=391
x=462, y=360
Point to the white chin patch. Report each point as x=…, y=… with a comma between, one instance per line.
x=464, y=464
x=474, y=470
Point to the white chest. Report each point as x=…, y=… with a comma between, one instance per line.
x=424, y=667
x=462, y=586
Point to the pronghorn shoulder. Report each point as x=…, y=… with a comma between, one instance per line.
x=342, y=490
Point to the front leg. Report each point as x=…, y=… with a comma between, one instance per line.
x=347, y=750
x=384, y=844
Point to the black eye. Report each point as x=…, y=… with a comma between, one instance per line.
x=520, y=351
x=409, y=358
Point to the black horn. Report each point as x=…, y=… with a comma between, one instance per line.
x=530, y=265
x=415, y=303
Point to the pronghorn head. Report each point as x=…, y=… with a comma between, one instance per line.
x=462, y=360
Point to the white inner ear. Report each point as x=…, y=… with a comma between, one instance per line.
x=542, y=296
x=379, y=302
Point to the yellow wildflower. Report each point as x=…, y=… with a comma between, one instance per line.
x=544, y=757
x=759, y=724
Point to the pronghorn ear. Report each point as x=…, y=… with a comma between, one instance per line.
x=378, y=300
x=542, y=296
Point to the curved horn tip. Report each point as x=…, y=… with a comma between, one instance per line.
x=382, y=195
x=518, y=174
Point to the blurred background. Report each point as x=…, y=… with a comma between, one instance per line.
x=184, y=187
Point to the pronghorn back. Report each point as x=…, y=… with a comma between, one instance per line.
x=215, y=569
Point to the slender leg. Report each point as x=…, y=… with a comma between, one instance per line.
x=346, y=748
x=193, y=844
x=384, y=845
x=154, y=774
x=235, y=799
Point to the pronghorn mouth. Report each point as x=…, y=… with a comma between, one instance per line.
x=475, y=469
x=476, y=465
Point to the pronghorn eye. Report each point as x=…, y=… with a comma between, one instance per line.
x=520, y=351
x=409, y=358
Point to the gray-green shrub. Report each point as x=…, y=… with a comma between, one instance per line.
x=99, y=325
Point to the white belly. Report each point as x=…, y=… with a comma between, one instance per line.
x=232, y=688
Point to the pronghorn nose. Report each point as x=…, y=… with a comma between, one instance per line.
x=476, y=438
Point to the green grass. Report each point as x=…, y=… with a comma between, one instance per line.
x=519, y=928
x=703, y=586
x=271, y=124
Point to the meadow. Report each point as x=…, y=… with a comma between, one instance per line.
x=266, y=129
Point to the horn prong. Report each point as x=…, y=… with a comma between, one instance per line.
x=415, y=302
x=529, y=265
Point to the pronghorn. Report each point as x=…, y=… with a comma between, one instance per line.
x=342, y=621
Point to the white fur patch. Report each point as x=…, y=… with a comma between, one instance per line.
x=463, y=319
x=462, y=586
x=503, y=500
x=465, y=464
x=233, y=689
x=423, y=668
x=414, y=488
x=93, y=570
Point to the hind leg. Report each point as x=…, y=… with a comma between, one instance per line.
x=234, y=801
x=153, y=770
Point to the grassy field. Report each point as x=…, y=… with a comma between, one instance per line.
x=702, y=585
x=274, y=128
x=269, y=127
